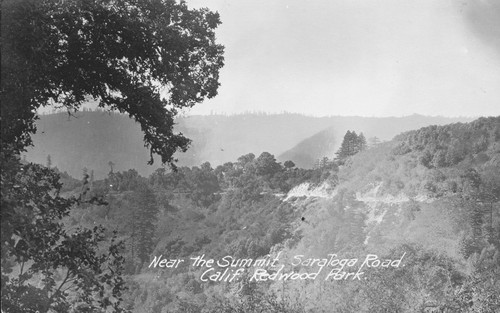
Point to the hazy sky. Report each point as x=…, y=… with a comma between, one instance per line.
x=358, y=57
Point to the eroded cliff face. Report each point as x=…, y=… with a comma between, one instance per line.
x=324, y=190
x=373, y=205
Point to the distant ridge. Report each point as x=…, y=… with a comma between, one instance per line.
x=308, y=151
x=93, y=139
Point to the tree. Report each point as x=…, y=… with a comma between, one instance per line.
x=141, y=222
x=350, y=146
x=362, y=145
x=91, y=179
x=289, y=164
x=373, y=141
x=324, y=162
x=266, y=164
x=54, y=263
x=203, y=184
x=245, y=159
x=49, y=161
x=145, y=58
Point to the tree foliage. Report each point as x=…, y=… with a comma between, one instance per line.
x=351, y=145
x=146, y=58
x=45, y=266
x=140, y=220
x=443, y=146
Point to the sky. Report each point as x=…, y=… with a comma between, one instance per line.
x=358, y=57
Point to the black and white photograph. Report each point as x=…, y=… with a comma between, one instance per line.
x=250, y=156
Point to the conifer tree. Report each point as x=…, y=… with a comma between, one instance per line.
x=361, y=142
x=350, y=146
x=373, y=141
x=141, y=222
x=49, y=161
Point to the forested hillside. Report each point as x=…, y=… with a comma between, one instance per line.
x=430, y=197
x=94, y=139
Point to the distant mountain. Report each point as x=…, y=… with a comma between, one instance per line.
x=306, y=153
x=94, y=139
x=91, y=140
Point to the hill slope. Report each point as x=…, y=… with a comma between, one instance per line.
x=439, y=215
x=326, y=142
x=432, y=195
x=306, y=153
